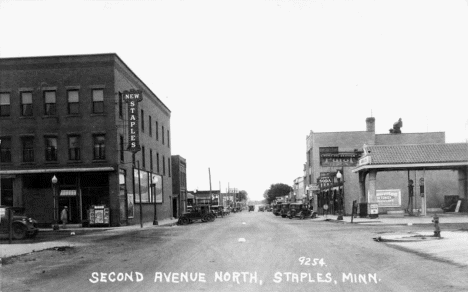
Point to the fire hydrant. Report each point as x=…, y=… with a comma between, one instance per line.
x=435, y=219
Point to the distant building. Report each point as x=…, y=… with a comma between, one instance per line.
x=330, y=153
x=65, y=117
x=179, y=185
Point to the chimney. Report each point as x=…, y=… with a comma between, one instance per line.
x=370, y=124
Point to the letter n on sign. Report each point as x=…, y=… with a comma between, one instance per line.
x=133, y=97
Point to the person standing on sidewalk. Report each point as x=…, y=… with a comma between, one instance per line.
x=64, y=217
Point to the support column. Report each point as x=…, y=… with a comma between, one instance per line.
x=463, y=187
x=362, y=187
x=372, y=198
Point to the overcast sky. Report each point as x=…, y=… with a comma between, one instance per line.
x=246, y=81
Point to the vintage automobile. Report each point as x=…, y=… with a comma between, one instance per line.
x=22, y=226
x=251, y=208
x=197, y=212
x=284, y=209
x=218, y=211
x=261, y=208
x=277, y=209
x=300, y=210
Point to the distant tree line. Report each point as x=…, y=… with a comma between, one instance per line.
x=275, y=191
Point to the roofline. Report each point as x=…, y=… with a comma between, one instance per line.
x=57, y=170
x=396, y=166
x=93, y=55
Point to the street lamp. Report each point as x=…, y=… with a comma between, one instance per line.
x=340, y=212
x=54, y=187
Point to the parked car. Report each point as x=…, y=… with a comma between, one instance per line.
x=198, y=212
x=251, y=208
x=23, y=226
x=218, y=211
x=277, y=209
x=261, y=208
x=300, y=210
x=284, y=209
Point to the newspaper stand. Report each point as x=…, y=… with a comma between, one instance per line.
x=98, y=215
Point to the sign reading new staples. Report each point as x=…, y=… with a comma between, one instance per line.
x=133, y=97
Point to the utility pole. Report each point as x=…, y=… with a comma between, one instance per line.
x=211, y=196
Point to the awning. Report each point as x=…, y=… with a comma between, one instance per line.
x=57, y=170
x=190, y=196
x=67, y=193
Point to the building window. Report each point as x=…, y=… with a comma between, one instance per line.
x=157, y=131
x=5, y=149
x=169, y=166
x=121, y=148
x=99, y=142
x=150, y=128
x=151, y=159
x=164, y=165
x=142, y=117
x=7, y=191
x=120, y=105
x=28, y=149
x=73, y=102
x=168, y=140
x=4, y=104
x=162, y=132
x=51, y=148
x=143, y=157
x=157, y=162
x=26, y=104
x=98, y=101
x=74, y=148
x=50, y=100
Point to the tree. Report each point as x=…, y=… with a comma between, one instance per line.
x=242, y=196
x=278, y=190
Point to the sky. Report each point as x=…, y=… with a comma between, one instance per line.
x=246, y=81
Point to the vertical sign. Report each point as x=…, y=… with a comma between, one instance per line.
x=133, y=97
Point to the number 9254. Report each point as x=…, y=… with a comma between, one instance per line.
x=311, y=262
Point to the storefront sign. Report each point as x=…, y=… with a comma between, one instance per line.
x=133, y=97
x=339, y=159
x=388, y=198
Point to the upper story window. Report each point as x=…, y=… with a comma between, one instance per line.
x=50, y=100
x=51, y=148
x=74, y=150
x=150, y=126
x=151, y=159
x=4, y=104
x=162, y=131
x=157, y=131
x=168, y=140
x=99, y=147
x=98, y=101
x=142, y=117
x=157, y=162
x=73, y=97
x=28, y=149
x=122, y=148
x=5, y=149
x=169, y=166
x=120, y=105
x=143, y=156
x=26, y=104
x=164, y=165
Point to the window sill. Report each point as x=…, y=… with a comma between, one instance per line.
x=74, y=161
x=99, y=160
x=98, y=114
x=51, y=162
x=27, y=117
x=50, y=117
x=28, y=163
x=74, y=116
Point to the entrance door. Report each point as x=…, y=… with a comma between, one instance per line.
x=73, y=210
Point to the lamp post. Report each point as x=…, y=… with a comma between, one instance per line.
x=154, y=180
x=340, y=212
x=54, y=188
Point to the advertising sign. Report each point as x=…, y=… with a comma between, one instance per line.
x=133, y=97
x=388, y=198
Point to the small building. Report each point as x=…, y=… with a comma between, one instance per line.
x=179, y=185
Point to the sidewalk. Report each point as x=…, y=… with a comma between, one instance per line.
x=16, y=248
x=401, y=219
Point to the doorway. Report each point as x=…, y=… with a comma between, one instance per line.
x=174, y=208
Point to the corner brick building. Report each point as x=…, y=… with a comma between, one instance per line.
x=64, y=116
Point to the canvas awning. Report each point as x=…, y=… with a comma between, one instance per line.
x=67, y=193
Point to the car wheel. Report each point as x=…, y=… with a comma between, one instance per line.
x=184, y=221
x=34, y=234
x=211, y=218
x=19, y=231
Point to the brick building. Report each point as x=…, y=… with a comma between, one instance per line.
x=64, y=116
x=330, y=153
